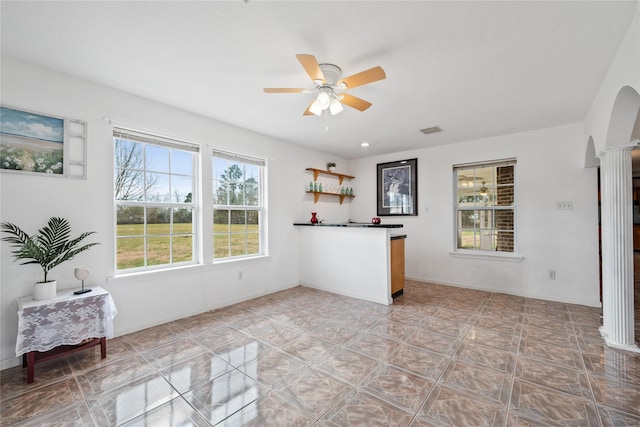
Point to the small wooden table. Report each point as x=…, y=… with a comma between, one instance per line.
x=63, y=325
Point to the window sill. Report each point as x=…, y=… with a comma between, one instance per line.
x=166, y=272
x=488, y=256
x=256, y=258
x=179, y=271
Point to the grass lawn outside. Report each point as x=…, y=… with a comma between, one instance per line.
x=237, y=240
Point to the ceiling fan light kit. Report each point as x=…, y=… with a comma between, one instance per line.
x=325, y=77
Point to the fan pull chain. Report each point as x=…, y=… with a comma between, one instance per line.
x=326, y=120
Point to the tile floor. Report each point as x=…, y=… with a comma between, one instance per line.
x=439, y=356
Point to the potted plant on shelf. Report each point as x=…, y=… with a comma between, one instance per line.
x=331, y=166
x=50, y=247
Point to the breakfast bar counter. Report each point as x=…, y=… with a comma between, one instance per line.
x=351, y=259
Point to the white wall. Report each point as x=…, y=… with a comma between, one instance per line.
x=549, y=169
x=143, y=300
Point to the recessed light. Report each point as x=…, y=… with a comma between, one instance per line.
x=364, y=144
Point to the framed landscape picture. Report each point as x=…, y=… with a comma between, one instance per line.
x=397, y=188
x=41, y=144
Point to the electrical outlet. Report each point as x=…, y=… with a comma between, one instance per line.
x=551, y=275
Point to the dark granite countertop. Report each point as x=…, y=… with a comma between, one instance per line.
x=350, y=224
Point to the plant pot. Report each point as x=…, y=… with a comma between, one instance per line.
x=332, y=168
x=44, y=290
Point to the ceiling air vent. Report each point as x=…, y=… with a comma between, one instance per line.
x=434, y=129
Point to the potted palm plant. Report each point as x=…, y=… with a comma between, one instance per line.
x=51, y=246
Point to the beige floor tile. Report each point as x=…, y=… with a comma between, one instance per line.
x=313, y=392
x=363, y=410
x=438, y=356
x=550, y=406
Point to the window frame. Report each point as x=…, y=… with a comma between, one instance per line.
x=260, y=208
x=171, y=144
x=476, y=251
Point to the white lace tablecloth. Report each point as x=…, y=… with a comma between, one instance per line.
x=67, y=319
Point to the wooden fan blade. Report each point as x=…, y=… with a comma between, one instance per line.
x=308, y=112
x=310, y=65
x=354, y=101
x=368, y=76
x=284, y=90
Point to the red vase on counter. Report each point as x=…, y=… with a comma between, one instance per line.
x=375, y=220
x=314, y=218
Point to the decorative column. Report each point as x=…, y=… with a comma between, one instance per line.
x=617, y=247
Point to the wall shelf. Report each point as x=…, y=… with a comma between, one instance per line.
x=340, y=176
x=316, y=195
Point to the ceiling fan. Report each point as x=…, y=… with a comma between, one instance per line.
x=328, y=85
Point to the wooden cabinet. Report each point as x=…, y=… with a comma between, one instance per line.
x=341, y=177
x=397, y=266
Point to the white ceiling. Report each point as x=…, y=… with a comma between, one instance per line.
x=474, y=68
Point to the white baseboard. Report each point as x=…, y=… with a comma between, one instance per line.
x=578, y=301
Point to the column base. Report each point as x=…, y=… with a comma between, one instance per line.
x=627, y=347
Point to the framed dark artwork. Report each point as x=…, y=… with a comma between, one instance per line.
x=41, y=144
x=398, y=188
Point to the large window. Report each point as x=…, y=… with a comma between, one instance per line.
x=155, y=200
x=485, y=206
x=237, y=206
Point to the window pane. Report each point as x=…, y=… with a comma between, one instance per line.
x=485, y=219
x=130, y=253
x=158, y=187
x=129, y=220
x=128, y=184
x=238, y=218
x=182, y=221
x=181, y=162
x=504, y=241
x=252, y=194
x=158, y=250
x=253, y=243
x=467, y=239
x=220, y=245
x=484, y=177
x=252, y=220
x=505, y=176
x=236, y=193
x=219, y=168
x=238, y=244
x=468, y=219
x=158, y=221
x=221, y=221
x=487, y=240
x=156, y=158
x=128, y=154
x=220, y=196
x=252, y=173
x=182, y=248
x=504, y=219
x=181, y=189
